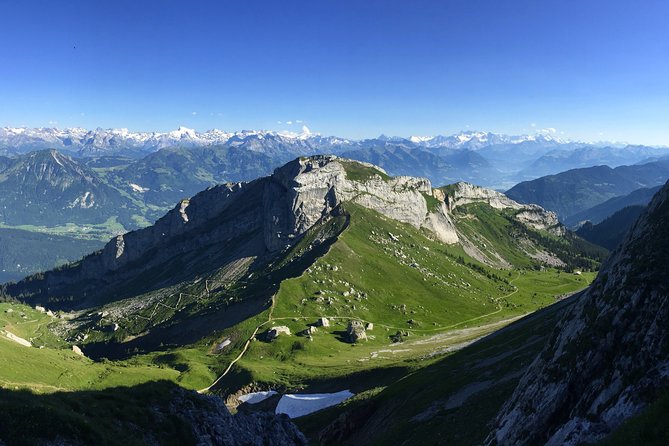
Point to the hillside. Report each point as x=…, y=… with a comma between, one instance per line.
x=225, y=292
x=610, y=232
x=615, y=337
x=596, y=214
x=560, y=160
x=26, y=252
x=47, y=188
x=574, y=191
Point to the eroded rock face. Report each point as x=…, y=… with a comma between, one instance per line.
x=258, y=218
x=531, y=215
x=609, y=356
x=317, y=184
x=464, y=193
x=355, y=332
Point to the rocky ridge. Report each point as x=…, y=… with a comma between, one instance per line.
x=608, y=358
x=262, y=218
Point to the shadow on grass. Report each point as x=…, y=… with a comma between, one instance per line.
x=437, y=404
x=185, y=329
x=129, y=416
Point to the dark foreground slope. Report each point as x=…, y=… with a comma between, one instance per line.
x=609, y=356
x=157, y=413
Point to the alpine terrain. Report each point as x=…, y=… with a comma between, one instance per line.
x=327, y=277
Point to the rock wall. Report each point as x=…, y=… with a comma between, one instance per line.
x=531, y=215
x=609, y=356
x=265, y=216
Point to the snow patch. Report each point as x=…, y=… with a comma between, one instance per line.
x=182, y=210
x=138, y=188
x=295, y=405
x=256, y=397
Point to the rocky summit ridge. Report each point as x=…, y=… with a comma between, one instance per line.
x=265, y=216
x=608, y=358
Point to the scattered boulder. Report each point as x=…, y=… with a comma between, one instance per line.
x=369, y=326
x=77, y=350
x=323, y=322
x=355, y=332
x=274, y=332
x=40, y=309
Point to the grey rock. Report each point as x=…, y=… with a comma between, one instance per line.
x=355, y=332
x=609, y=355
x=213, y=425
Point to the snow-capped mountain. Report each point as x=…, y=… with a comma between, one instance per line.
x=474, y=140
x=82, y=142
x=486, y=158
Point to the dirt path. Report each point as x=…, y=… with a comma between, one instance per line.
x=451, y=335
x=246, y=347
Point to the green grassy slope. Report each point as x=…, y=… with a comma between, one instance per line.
x=400, y=280
x=359, y=265
x=497, y=234
x=449, y=401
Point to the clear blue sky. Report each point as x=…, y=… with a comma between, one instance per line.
x=593, y=69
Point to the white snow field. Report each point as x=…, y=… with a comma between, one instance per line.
x=297, y=405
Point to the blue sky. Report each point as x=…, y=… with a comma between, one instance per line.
x=592, y=69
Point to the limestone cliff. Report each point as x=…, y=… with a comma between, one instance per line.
x=255, y=220
x=532, y=215
x=609, y=356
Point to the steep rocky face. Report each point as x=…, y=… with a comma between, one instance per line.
x=255, y=220
x=609, y=356
x=531, y=215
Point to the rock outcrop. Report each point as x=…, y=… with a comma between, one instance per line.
x=233, y=221
x=277, y=331
x=532, y=215
x=609, y=356
x=355, y=332
x=213, y=424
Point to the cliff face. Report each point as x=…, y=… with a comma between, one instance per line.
x=240, y=220
x=609, y=356
x=255, y=220
x=460, y=194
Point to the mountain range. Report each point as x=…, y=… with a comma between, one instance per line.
x=89, y=185
x=493, y=159
x=574, y=194
x=332, y=277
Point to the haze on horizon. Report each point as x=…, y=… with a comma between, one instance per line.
x=592, y=70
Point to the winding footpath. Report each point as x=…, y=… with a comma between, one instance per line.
x=270, y=319
x=493, y=325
